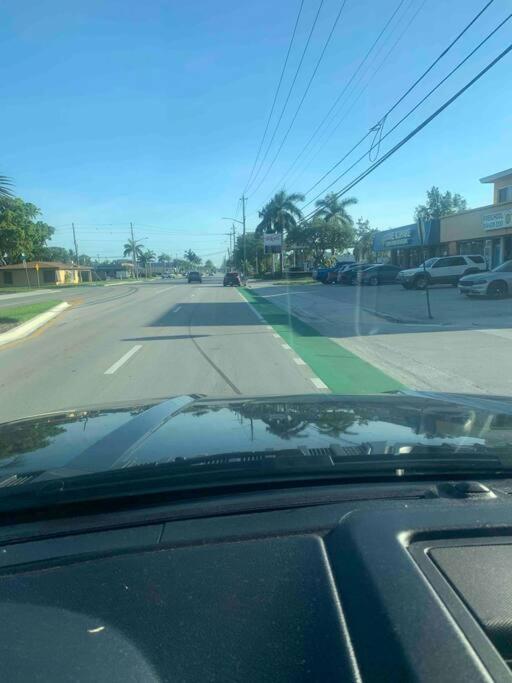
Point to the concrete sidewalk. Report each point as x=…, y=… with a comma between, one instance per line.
x=470, y=354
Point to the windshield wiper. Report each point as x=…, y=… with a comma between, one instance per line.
x=342, y=463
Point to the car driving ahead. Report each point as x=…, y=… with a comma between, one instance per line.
x=194, y=276
x=232, y=280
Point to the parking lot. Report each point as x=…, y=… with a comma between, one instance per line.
x=389, y=327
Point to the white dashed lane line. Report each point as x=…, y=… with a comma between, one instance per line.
x=113, y=368
x=299, y=361
x=287, y=347
x=318, y=383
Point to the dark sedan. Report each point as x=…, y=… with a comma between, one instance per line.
x=348, y=276
x=377, y=275
x=232, y=280
x=194, y=276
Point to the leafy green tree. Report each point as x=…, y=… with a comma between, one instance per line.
x=332, y=208
x=363, y=247
x=192, y=257
x=208, y=265
x=55, y=254
x=21, y=231
x=253, y=248
x=440, y=204
x=318, y=236
x=147, y=257
x=164, y=258
x=84, y=260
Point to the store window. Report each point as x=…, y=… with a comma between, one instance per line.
x=471, y=247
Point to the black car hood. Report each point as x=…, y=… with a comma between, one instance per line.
x=187, y=426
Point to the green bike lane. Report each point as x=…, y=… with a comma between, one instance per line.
x=341, y=371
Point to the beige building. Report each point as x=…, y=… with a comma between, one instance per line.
x=486, y=230
x=40, y=273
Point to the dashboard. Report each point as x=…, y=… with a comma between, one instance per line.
x=381, y=582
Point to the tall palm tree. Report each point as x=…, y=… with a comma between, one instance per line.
x=131, y=248
x=333, y=209
x=280, y=214
x=5, y=184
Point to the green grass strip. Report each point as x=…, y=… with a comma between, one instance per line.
x=20, y=314
x=342, y=371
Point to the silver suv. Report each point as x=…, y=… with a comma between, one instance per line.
x=441, y=271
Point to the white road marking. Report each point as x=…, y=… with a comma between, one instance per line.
x=175, y=310
x=287, y=347
x=299, y=361
x=318, y=383
x=276, y=336
x=161, y=291
x=269, y=327
x=123, y=359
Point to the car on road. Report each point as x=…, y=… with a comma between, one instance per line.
x=378, y=274
x=232, y=280
x=194, y=276
x=442, y=270
x=496, y=283
x=348, y=276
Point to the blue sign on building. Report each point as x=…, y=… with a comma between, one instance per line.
x=407, y=236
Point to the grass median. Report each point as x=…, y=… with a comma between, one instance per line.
x=15, y=315
x=342, y=371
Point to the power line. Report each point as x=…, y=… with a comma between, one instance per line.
x=418, y=128
x=337, y=100
x=289, y=93
x=354, y=102
x=438, y=85
x=308, y=86
x=275, y=98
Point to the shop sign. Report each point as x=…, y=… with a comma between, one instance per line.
x=497, y=220
x=272, y=242
x=398, y=238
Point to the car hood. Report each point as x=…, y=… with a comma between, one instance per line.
x=410, y=271
x=475, y=277
x=101, y=438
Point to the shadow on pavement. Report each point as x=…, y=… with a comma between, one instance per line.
x=166, y=337
x=208, y=314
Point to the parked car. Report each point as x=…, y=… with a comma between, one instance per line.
x=496, y=283
x=232, y=280
x=441, y=270
x=322, y=274
x=348, y=276
x=378, y=274
x=194, y=276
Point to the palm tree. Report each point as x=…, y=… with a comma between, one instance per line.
x=333, y=209
x=5, y=183
x=164, y=258
x=280, y=214
x=131, y=248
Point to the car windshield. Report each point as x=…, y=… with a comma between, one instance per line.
x=218, y=223
x=503, y=268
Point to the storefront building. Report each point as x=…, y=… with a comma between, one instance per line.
x=486, y=230
x=406, y=246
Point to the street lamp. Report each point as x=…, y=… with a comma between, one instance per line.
x=242, y=223
x=26, y=269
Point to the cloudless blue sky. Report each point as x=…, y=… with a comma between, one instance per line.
x=152, y=112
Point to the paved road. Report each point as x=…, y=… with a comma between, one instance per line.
x=148, y=340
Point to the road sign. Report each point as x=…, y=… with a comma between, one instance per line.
x=273, y=242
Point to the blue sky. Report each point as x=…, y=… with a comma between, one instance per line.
x=152, y=112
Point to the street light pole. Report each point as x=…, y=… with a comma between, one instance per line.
x=134, y=259
x=244, y=199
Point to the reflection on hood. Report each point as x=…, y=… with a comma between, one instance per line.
x=185, y=427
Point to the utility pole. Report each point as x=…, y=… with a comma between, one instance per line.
x=233, y=230
x=134, y=258
x=244, y=199
x=76, y=249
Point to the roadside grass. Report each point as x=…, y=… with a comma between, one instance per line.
x=342, y=371
x=15, y=315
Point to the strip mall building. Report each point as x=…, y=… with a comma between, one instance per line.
x=486, y=230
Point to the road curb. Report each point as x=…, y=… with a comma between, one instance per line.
x=26, y=328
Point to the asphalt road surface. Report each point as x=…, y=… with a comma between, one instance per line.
x=151, y=340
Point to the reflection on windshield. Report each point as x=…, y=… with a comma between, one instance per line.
x=504, y=268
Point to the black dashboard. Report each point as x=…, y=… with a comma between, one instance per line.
x=384, y=582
